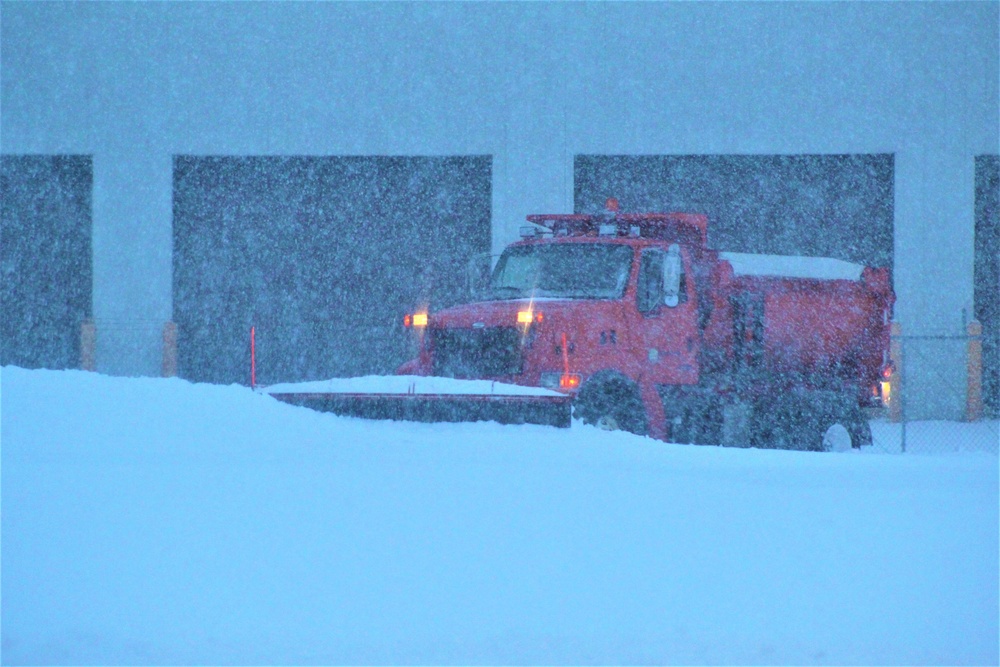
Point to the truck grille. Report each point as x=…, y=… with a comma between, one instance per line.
x=475, y=353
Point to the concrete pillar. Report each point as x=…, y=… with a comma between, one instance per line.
x=133, y=251
x=533, y=168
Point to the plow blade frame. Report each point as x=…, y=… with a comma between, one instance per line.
x=505, y=409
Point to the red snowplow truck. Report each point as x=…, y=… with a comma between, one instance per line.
x=651, y=331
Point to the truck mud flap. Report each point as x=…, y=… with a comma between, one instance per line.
x=545, y=410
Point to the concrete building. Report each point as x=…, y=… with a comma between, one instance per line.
x=536, y=89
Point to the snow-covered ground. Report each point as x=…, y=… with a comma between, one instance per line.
x=157, y=521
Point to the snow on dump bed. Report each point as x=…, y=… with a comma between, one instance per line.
x=789, y=266
x=407, y=384
x=155, y=521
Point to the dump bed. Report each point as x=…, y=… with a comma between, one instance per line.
x=810, y=317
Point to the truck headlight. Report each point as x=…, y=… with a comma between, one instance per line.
x=415, y=320
x=560, y=381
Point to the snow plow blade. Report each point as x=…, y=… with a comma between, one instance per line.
x=429, y=399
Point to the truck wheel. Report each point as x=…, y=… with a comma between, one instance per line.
x=611, y=403
x=811, y=422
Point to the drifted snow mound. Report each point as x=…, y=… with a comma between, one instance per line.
x=158, y=521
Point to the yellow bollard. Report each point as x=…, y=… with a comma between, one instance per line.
x=88, y=345
x=895, y=380
x=169, y=350
x=974, y=387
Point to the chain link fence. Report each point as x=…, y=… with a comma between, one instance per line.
x=933, y=391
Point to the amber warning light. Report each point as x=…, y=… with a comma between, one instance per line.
x=569, y=381
x=415, y=320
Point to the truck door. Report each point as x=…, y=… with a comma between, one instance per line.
x=748, y=336
x=667, y=303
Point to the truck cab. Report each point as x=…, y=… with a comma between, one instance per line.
x=605, y=308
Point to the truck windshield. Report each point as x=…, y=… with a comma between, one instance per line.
x=562, y=270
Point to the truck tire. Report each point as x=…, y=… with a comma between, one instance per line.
x=810, y=421
x=611, y=402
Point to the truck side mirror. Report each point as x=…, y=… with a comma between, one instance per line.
x=672, y=276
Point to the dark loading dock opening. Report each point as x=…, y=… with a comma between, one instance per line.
x=987, y=274
x=46, y=275
x=323, y=255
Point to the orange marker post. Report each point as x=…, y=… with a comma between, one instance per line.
x=169, y=350
x=88, y=345
x=974, y=387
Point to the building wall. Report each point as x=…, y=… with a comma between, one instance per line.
x=533, y=85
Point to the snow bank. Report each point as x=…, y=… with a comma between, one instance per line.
x=157, y=521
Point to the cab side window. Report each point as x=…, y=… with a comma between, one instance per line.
x=650, y=287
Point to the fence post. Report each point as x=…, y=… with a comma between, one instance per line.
x=895, y=380
x=974, y=386
x=169, y=350
x=88, y=345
